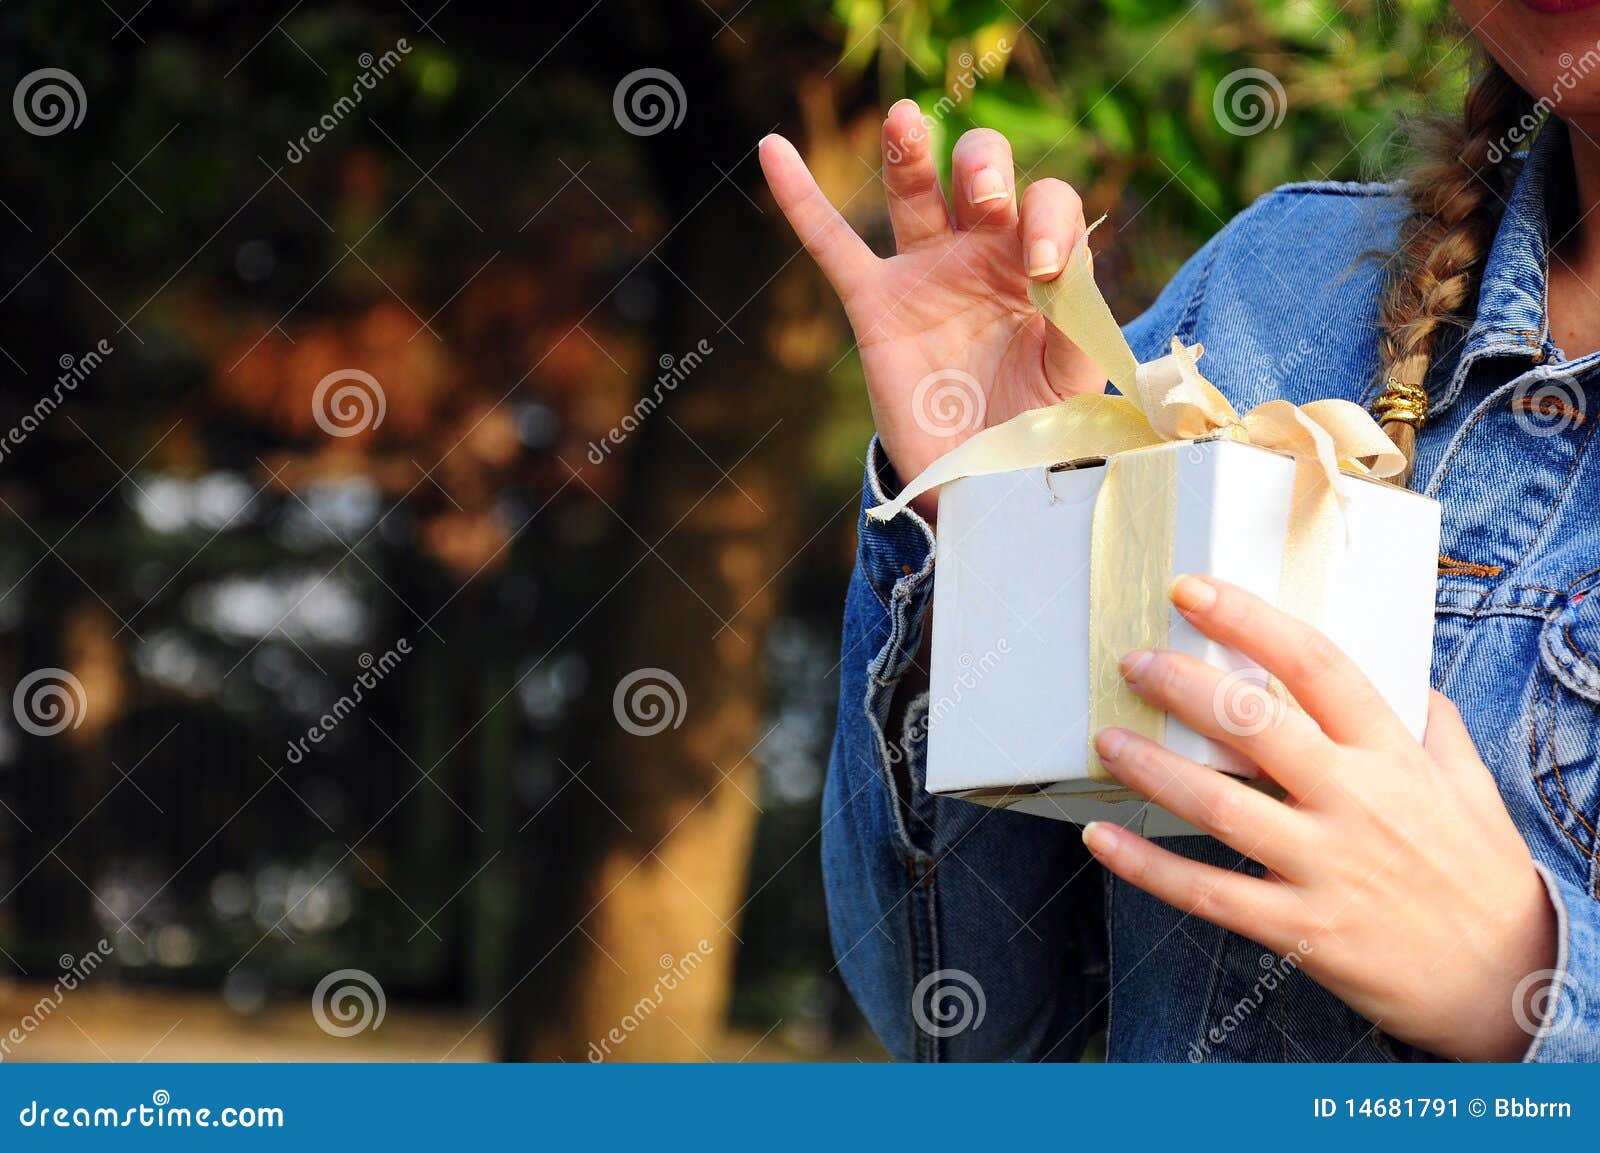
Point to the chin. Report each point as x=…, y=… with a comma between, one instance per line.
x=1551, y=47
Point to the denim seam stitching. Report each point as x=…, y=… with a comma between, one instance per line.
x=897, y=806
x=1536, y=745
x=1110, y=882
x=1563, y=959
x=1437, y=485
x=1340, y=188
x=1211, y=997
x=910, y=581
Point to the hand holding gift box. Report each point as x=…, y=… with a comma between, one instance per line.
x=1060, y=531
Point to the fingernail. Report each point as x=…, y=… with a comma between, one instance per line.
x=1110, y=743
x=987, y=185
x=1044, y=258
x=1100, y=839
x=1134, y=663
x=766, y=140
x=902, y=100
x=1191, y=594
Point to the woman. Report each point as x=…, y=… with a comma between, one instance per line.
x=1413, y=899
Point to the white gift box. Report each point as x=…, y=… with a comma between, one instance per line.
x=1009, y=709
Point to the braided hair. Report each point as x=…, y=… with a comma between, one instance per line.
x=1456, y=193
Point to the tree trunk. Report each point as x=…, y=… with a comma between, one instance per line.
x=664, y=848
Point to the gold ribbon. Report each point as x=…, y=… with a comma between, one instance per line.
x=1162, y=402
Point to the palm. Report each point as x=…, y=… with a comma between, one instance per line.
x=949, y=343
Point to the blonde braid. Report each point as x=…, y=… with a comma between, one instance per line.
x=1455, y=194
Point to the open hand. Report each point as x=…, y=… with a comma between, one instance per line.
x=1393, y=867
x=948, y=338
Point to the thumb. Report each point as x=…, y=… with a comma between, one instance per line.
x=1050, y=225
x=1447, y=740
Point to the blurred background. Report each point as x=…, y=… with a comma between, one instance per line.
x=430, y=478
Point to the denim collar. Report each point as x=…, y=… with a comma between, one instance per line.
x=1511, y=318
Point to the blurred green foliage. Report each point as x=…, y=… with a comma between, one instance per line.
x=1126, y=99
x=1127, y=88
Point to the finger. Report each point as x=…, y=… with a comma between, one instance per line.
x=1250, y=906
x=1243, y=818
x=1051, y=221
x=842, y=255
x=1050, y=224
x=1240, y=709
x=981, y=174
x=916, y=203
x=1316, y=672
x=1447, y=740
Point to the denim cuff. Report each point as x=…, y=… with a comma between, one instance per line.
x=896, y=555
x=1568, y=999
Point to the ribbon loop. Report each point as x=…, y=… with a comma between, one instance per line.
x=1167, y=399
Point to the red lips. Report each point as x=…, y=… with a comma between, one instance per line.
x=1555, y=7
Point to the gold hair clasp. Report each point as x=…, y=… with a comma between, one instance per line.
x=1401, y=403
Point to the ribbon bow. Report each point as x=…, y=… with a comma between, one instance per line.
x=1164, y=400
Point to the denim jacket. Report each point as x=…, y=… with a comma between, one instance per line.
x=970, y=933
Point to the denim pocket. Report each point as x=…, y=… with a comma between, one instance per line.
x=1565, y=716
x=1570, y=643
